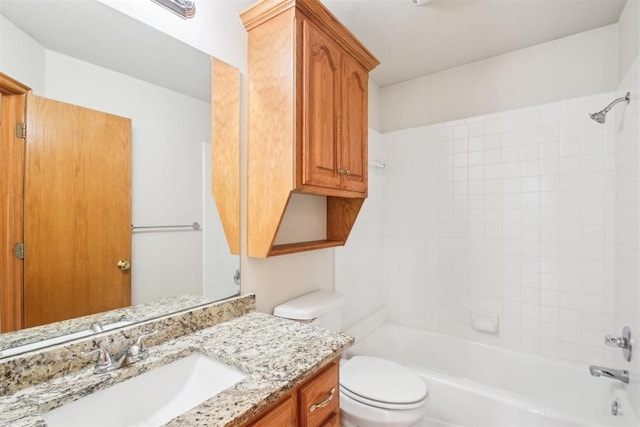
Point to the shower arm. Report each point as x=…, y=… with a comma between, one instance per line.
x=627, y=98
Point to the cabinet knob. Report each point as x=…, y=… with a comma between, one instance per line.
x=124, y=265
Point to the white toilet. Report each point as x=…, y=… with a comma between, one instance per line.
x=374, y=392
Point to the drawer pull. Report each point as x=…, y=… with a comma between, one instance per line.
x=324, y=402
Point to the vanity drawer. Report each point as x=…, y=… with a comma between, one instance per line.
x=319, y=398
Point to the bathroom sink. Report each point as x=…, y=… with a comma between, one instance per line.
x=152, y=398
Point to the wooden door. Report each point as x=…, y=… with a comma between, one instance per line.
x=77, y=200
x=321, y=108
x=353, y=144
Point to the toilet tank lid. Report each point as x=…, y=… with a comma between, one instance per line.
x=309, y=306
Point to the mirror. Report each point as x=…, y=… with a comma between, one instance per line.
x=88, y=54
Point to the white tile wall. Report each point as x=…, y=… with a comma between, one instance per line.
x=627, y=222
x=359, y=268
x=511, y=213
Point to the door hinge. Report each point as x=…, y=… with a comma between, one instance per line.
x=21, y=130
x=18, y=250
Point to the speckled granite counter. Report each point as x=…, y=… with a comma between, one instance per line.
x=277, y=354
x=132, y=314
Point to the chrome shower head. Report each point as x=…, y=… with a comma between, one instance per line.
x=601, y=115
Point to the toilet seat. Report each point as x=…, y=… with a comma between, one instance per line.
x=381, y=383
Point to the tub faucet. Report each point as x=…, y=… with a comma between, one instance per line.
x=620, y=375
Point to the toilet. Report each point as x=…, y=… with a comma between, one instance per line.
x=374, y=392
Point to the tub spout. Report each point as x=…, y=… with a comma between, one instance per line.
x=620, y=375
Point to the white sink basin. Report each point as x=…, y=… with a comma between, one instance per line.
x=152, y=398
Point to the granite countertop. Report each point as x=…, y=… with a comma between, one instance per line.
x=132, y=314
x=277, y=354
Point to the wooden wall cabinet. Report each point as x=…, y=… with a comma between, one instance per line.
x=314, y=403
x=307, y=119
x=225, y=149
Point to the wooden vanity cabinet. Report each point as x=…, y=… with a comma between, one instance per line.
x=314, y=403
x=307, y=88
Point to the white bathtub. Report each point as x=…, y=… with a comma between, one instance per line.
x=472, y=384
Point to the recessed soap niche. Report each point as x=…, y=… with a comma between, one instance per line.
x=485, y=322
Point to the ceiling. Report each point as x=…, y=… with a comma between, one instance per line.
x=410, y=41
x=413, y=41
x=98, y=34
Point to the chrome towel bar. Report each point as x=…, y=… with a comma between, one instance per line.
x=195, y=226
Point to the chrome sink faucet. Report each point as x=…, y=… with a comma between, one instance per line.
x=615, y=374
x=135, y=353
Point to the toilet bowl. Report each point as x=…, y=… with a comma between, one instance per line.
x=374, y=392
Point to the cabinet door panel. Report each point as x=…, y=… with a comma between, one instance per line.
x=321, y=108
x=320, y=397
x=284, y=414
x=353, y=155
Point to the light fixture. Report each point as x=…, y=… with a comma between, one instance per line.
x=419, y=2
x=183, y=8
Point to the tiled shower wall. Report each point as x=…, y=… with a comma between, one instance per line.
x=509, y=213
x=627, y=226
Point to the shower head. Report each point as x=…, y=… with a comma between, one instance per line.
x=601, y=115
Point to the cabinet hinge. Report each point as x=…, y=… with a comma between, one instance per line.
x=18, y=250
x=21, y=130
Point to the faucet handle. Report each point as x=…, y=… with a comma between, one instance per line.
x=624, y=342
x=140, y=342
x=139, y=351
x=613, y=341
x=104, y=358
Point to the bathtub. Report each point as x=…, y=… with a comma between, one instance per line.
x=472, y=384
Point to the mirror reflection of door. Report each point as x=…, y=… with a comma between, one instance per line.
x=77, y=224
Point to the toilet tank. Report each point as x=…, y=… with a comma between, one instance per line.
x=320, y=308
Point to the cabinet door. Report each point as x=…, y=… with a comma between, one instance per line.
x=321, y=109
x=284, y=414
x=353, y=147
x=319, y=398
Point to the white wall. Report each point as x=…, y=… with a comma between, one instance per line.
x=374, y=106
x=509, y=213
x=218, y=263
x=218, y=31
x=577, y=65
x=629, y=37
x=360, y=266
x=21, y=57
x=627, y=223
x=215, y=29
x=627, y=200
x=168, y=130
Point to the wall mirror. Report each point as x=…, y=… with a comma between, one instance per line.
x=92, y=56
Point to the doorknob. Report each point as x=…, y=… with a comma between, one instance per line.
x=124, y=265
